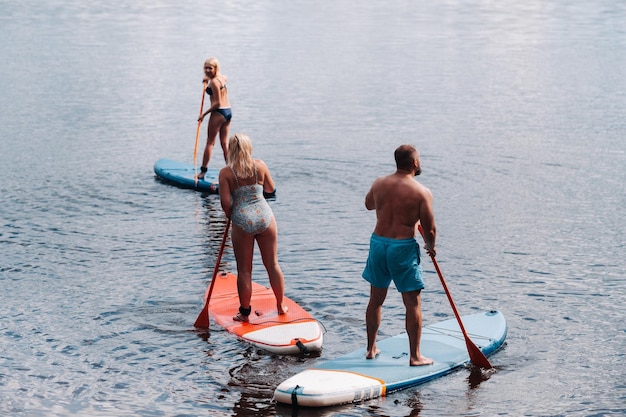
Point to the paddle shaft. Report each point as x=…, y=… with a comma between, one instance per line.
x=203, y=318
x=476, y=355
x=195, y=149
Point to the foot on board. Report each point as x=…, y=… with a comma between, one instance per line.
x=372, y=354
x=243, y=314
x=241, y=317
x=422, y=361
x=282, y=310
x=203, y=171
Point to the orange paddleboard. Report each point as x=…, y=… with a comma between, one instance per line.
x=291, y=333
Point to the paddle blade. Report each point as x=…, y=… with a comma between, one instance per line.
x=202, y=322
x=477, y=357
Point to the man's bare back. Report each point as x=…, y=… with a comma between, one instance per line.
x=400, y=203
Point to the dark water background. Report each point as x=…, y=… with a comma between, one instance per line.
x=517, y=108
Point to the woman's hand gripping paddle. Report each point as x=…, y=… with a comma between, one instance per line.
x=203, y=319
x=195, y=149
x=477, y=357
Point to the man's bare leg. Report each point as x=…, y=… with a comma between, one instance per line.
x=412, y=302
x=373, y=316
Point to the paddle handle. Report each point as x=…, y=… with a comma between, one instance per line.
x=203, y=318
x=219, y=260
x=195, y=149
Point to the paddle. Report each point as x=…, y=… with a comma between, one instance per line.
x=203, y=319
x=195, y=149
x=476, y=356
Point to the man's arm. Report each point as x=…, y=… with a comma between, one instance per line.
x=427, y=220
x=370, y=204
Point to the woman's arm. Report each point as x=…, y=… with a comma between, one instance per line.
x=226, y=198
x=215, y=98
x=269, y=188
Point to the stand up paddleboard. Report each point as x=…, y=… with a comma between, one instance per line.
x=286, y=334
x=183, y=175
x=352, y=378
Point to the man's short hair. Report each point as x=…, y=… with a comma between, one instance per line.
x=405, y=155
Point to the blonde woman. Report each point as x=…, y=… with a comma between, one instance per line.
x=219, y=121
x=242, y=184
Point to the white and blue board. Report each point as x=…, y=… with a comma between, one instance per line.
x=183, y=175
x=352, y=378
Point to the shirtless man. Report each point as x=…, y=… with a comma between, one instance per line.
x=401, y=203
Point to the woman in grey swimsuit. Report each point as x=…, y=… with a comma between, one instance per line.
x=219, y=122
x=241, y=186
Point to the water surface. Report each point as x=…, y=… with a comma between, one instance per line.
x=517, y=109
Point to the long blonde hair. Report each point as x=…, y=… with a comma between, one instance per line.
x=240, y=155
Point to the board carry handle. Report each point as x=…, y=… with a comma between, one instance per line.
x=477, y=357
x=202, y=321
x=195, y=149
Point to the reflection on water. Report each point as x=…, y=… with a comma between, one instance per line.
x=478, y=375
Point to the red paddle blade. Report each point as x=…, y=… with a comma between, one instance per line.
x=202, y=322
x=477, y=357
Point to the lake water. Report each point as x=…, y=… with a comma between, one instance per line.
x=518, y=111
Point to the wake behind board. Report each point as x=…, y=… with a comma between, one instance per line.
x=182, y=175
x=352, y=378
x=286, y=334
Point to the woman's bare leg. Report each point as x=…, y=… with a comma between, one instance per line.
x=243, y=247
x=215, y=122
x=268, y=246
x=224, y=139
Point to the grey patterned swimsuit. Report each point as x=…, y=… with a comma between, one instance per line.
x=250, y=210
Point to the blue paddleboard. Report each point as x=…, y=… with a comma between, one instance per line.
x=183, y=175
x=352, y=378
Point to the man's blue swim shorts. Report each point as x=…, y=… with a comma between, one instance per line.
x=396, y=260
